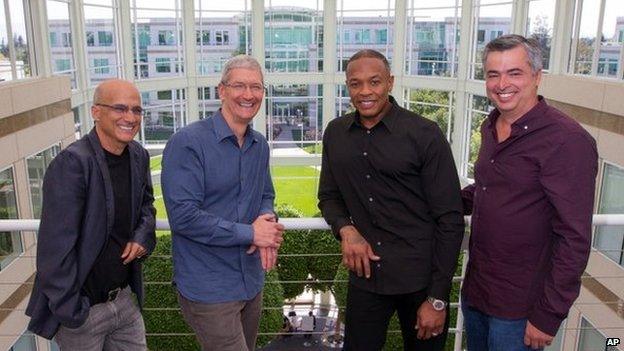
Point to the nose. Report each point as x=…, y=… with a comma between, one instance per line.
x=366, y=89
x=503, y=82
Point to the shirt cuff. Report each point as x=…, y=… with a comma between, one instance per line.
x=244, y=233
x=545, y=322
x=440, y=291
x=338, y=224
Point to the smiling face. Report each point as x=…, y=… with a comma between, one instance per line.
x=510, y=82
x=241, y=105
x=115, y=130
x=369, y=84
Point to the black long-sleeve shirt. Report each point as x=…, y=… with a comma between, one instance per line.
x=398, y=185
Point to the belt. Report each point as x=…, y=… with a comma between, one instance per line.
x=108, y=297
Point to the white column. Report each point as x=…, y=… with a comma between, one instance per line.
x=257, y=51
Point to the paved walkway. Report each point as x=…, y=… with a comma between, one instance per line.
x=317, y=341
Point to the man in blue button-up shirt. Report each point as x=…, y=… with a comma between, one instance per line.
x=219, y=198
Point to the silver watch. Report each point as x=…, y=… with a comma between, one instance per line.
x=438, y=305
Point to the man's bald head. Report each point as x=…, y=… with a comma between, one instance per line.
x=106, y=90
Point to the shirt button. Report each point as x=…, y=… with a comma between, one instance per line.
x=365, y=153
x=526, y=127
x=378, y=265
x=484, y=188
x=492, y=161
x=370, y=199
x=368, y=176
x=368, y=132
x=374, y=221
x=379, y=243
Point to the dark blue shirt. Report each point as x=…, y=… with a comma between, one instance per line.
x=213, y=191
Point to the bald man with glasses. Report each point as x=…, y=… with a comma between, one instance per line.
x=97, y=225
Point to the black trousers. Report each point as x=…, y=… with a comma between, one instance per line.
x=368, y=315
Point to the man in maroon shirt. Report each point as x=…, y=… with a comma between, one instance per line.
x=531, y=206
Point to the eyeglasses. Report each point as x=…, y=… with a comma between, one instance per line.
x=122, y=109
x=242, y=87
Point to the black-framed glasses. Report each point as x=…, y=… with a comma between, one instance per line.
x=242, y=87
x=121, y=109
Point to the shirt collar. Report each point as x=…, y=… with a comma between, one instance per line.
x=387, y=121
x=222, y=131
x=530, y=120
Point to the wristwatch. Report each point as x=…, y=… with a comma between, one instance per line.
x=438, y=305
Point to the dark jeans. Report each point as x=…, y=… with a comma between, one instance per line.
x=485, y=332
x=368, y=315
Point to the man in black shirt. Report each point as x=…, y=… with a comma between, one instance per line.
x=97, y=223
x=390, y=191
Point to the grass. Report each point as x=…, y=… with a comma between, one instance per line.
x=313, y=149
x=294, y=185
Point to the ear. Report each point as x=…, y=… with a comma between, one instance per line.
x=95, y=113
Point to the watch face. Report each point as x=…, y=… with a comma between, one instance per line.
x=438, y=305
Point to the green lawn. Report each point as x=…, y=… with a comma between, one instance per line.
x=155, y=163
x=294, y=185
x=313, y=149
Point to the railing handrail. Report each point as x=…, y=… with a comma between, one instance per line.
x=289, y=223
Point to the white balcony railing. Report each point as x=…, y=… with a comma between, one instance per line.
x=31, y=225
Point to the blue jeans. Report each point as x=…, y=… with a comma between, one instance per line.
x=487, y=333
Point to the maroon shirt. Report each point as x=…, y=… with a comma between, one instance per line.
x=531, y=207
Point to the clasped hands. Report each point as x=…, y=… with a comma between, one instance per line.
x=267, y=237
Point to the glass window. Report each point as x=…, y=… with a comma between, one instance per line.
x=105, y=38
x=163, y=65
x=165, y=113
x=100, y=19
x=610, y=239
x=26, y=342
x=62, y=56
x=90, y=39
x=226, y=31
x=209, y=101
x=10, y=242
x=610, y=47
x=590, y=338
x=343, y=101
x=432, y=38
x=157, y=29
x=101, y=66
x=432, y=104
x=540, y=25
x=294, y=117
x=479, y=108
x=293, y=36
x=37, y=165
x=14, y=53
x=492, y=19
x=359, y=17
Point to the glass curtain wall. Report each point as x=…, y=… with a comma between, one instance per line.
x=603, y=19
x=157, y=44
x=15, y=56
x=478, y=110
x=293, y=36
x=540, y=25
x=102, y=40
x=364, y=24
x=165, y=113
x=37, y=165
x=10, y=242
x=610, y=239
x=61, y=45
x=432, y=104
x=223, y=30
x=294, y=118
x=432, y=37
x=492, y=19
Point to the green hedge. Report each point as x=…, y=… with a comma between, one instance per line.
x=162, y=295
